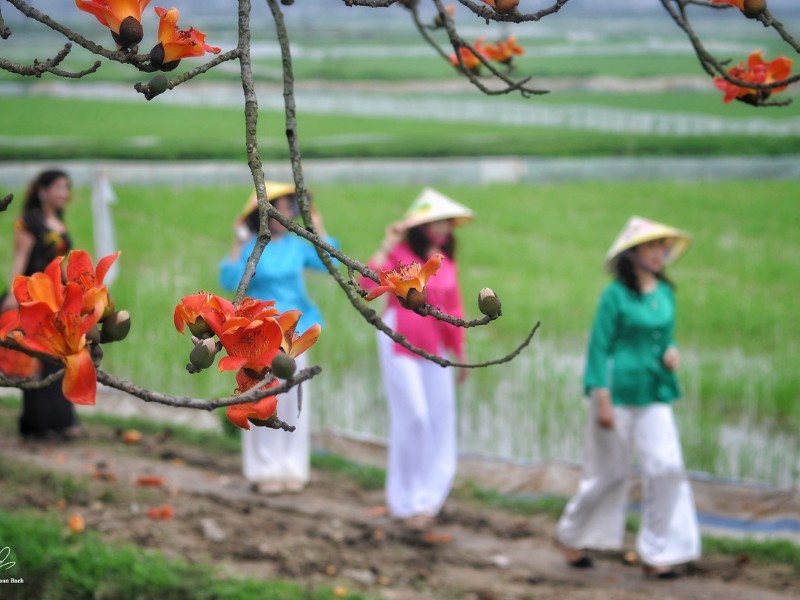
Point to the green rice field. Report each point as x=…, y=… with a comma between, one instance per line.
x=540, y=247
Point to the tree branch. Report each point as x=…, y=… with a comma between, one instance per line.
x=48, y=66
x=140, y=61
x=5, y=32
x=251, y=395
x=458, y=43
x=487, y=12
x=151, y=91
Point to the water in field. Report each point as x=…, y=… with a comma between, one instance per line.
x=532, y=410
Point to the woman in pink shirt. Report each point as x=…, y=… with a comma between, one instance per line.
x=420, y=393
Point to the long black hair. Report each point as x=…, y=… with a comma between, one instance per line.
x=45, y=179
x=420, y=244
x=624, y=269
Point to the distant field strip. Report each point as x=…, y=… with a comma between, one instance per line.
x=576, y=117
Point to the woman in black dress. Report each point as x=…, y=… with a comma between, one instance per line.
x=40, y=236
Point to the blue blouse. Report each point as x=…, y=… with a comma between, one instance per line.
x=279, y=275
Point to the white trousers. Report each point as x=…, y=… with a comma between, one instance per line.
x=595, y=516
x=422, y=431
x=277, y=455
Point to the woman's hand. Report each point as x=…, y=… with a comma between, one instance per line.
x=605, y=409
x=671, y=358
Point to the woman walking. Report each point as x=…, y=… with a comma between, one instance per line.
x=632, y=411
x=421, y=394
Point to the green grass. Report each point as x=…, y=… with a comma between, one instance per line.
x=56, y=566
x=540, y=248
x=42, y=128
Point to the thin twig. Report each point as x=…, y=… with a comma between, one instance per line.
x=371, y=3
x=32, y=383
x=48, y=66
x=140, y=61
x=355, y=298
x=5, y=32
x=255, y=393
x=710, y=64
x=458, y=42
x=144, y=88
x=486, y=12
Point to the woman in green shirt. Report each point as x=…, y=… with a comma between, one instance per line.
x=630, y=380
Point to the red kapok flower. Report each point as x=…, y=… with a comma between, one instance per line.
x=81, y=270
x=504, y=50
x=261, y=410
x=175, y=44
x=122, y=17
x=62, y=333
x=468, y=57
x=502, y=6
x=758, y=72
x=407, y=282
x=294, y=344
x=189, y=312
x=737, y=3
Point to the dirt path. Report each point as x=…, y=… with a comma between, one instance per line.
x=330, y=534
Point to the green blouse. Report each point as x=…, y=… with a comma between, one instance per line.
x=633, y=332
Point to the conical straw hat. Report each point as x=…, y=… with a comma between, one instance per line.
x=639, y=230
x=431, y=206
x=275, y=190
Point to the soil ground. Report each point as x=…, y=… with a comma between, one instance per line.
x=331, y=533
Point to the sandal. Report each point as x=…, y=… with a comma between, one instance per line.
x=660, y=572
x=576, y=558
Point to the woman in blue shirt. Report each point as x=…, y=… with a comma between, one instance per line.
x=631, y=410
x=274, y=460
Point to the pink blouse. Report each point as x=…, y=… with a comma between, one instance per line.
x=430, y=334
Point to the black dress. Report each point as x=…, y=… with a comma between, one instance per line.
x=45, y=410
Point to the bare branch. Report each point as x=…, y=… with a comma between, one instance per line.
x=48, y=66
x=250, y=395
x=32, y=383
x=140, y=61
x=458, y=43
x=322, y=249
x=710, y=64
x=371, y=3
x=150, y=90
x=486, y=12
x=770, y=21
x=5, y=202
x=5, y=32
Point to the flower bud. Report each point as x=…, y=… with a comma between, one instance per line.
x=157, y=85
x=93, y=335
x=283, y=366
x=130, y=33
x=415, y=298
x=157, y=58
x=110, y=308
x=116, y=327
x=505, y=6
x=488, y=302
x=203, y=354
x=754, y=8
x=200, y=328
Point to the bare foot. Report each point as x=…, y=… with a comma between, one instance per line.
x=575, y=557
